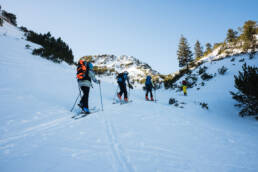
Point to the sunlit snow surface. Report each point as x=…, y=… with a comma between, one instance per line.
x=38, y=134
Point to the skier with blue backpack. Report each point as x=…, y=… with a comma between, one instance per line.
x=149, y=85
x=122, y=78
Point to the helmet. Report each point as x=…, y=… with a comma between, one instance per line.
x=125, y=72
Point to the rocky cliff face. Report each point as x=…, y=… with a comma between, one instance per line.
x=111, y=65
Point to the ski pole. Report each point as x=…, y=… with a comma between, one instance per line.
x=100, y=97
x=75, y=102
x=155, y=87
x=80, y=90
x=115, y=95
x=129, y=93
x=77, y=98
x=155, y=95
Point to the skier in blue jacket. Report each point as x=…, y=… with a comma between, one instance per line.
x=149, y=85
x=122, y=78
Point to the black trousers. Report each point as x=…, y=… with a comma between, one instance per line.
x=123, y=90
x=85, y=98
x=148, y=90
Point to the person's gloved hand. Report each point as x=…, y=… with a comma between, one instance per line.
x=130, y=86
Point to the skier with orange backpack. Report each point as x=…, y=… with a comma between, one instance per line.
x=84, y=76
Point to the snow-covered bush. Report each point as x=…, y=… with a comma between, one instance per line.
x=202, y=70
x=27, y=46
x=242, y=60
x=252, y=54
x=222, y=70
x=206, y=76
x=172, y=101
x=191, y=80
x=204, y=105
x=247, y=83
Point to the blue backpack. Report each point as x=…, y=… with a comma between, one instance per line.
x=121, y=77
x=148, y=80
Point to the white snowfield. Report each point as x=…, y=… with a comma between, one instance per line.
x=38, y=134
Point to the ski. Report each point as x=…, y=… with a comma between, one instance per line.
x=124, y=102
x=116, y=101
x=151, y=101
x=82, y=114
x=121, y=101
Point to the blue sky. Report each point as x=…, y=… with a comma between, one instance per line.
x=146, y=29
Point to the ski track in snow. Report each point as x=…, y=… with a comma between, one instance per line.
x=35, y=130
x=119, y=155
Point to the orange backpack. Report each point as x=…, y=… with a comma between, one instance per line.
x=82, y=72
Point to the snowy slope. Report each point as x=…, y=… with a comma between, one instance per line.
x=216, y=91
x=38, y=134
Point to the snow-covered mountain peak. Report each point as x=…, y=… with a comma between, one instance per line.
x=111, y=65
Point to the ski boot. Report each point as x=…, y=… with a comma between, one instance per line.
x=126, y=100
x=86, y=110
x=152, y=99
x=119, y=97
x=146, y=98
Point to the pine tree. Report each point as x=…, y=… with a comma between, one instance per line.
x=248, y=35
x=198, y=50
x=247, y=96
x=208, y=49
x=53, y=49
x=231, y=35
x=10, y=17
x=184, y=53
